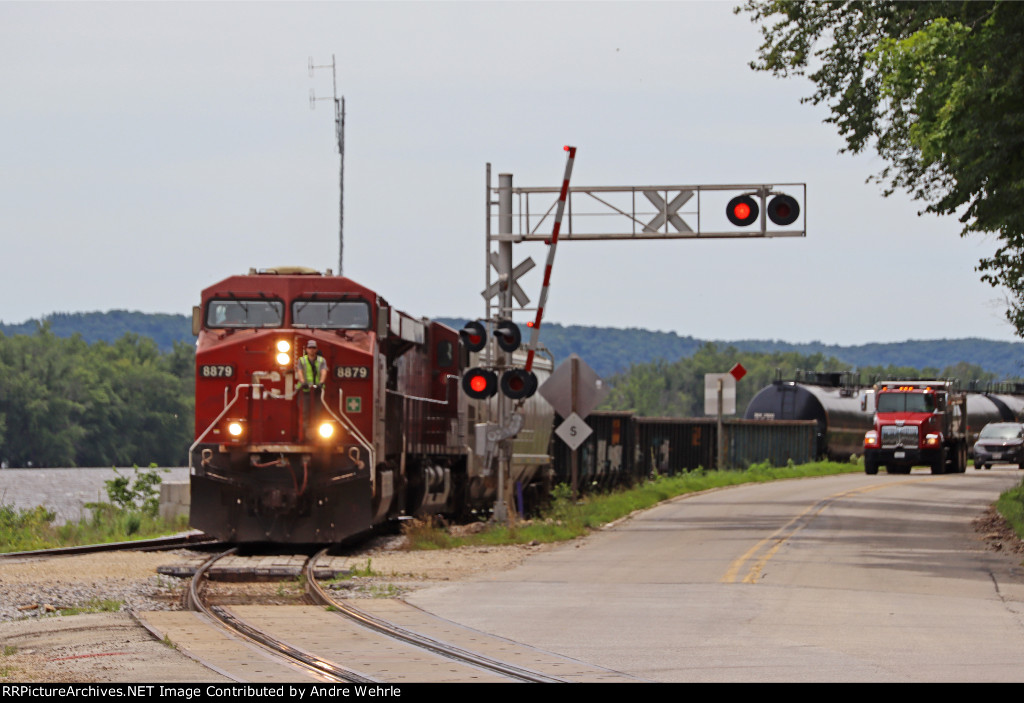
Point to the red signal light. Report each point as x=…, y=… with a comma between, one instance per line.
x=518, y=383
x=479, y=384
x=783, y=210
x=473, y=336
x=742, y=210
x=508, y=335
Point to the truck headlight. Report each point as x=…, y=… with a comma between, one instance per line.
x=932, y=440
x=871, y=439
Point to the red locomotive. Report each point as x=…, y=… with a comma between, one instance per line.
x=280, y=457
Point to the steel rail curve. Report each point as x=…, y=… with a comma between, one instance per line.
x=321, y=597
x=297, y=657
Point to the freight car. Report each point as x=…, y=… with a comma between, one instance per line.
x=834, y=401
x=281, y=457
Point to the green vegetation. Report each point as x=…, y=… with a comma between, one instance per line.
x=95, y=605
x=567, y=519
x=934, y=89
x=1011, y=506
x=64, y=402
x=131, y=514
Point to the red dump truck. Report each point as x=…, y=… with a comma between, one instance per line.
x=916, y=423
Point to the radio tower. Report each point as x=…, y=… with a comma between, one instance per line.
x=339, y=133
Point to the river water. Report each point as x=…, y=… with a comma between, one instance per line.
x=66, y=491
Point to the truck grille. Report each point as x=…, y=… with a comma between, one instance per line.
x=893, y=435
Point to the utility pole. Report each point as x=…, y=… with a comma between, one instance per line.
x=339, y=133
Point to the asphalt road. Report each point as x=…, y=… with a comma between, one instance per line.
x=845, y=578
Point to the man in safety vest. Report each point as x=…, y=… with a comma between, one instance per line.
x=311, y=374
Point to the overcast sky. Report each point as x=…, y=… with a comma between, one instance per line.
x=148, y=150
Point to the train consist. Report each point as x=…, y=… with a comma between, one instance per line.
x=288, y=449
x=837, y=404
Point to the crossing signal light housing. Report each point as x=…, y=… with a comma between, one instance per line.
x=473, y=336
x=518, y=383
x=742, y=210
x=783, y=210
x=509, y=336
x=479, y=384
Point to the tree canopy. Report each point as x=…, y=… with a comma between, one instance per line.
x=936, y=89
x=64, y=402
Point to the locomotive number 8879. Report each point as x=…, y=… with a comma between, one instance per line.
x=279, y=459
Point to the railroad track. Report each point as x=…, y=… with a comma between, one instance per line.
x=316, y=666
x=390, y=629
x=189, y=539
x=334, y=641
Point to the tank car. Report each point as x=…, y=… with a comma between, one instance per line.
x=836, y=405
x=388, y=434
x=833, y=404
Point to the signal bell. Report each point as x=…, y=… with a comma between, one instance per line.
x=479, y=384
x=473, y=336
x=508, y=335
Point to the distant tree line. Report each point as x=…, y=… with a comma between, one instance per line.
x=676, y=389
x=65, y=402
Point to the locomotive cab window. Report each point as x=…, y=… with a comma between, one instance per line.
x=331, y=314
x=245, y=313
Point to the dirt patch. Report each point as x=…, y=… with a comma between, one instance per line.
x=997, y=533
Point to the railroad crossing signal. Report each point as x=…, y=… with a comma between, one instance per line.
x=482, y=383
x=743, y=210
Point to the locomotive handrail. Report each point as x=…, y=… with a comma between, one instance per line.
x=447, y=393
x=223, y=412
x=348, y=424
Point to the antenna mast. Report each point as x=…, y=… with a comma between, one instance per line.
x=339, y=133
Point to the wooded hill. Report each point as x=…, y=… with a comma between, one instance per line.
x=608, y=350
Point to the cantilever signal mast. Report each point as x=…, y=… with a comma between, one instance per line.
x=339, y=132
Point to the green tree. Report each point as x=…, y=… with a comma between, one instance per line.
x=935, y=88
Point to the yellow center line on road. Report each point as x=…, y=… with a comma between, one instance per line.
x=774, y=541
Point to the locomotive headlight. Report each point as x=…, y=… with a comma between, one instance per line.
x=235, y=428
x=284, y=346
x=283, y=359
x=326, y=430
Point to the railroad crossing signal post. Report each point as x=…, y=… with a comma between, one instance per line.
x=680, y=212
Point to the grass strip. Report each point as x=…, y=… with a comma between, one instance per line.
x=566, y=519
x=1011, y=506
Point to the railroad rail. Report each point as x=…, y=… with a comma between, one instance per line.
x=141, y=545
x=314, y=665
x=341, y=652
x=347, y=610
